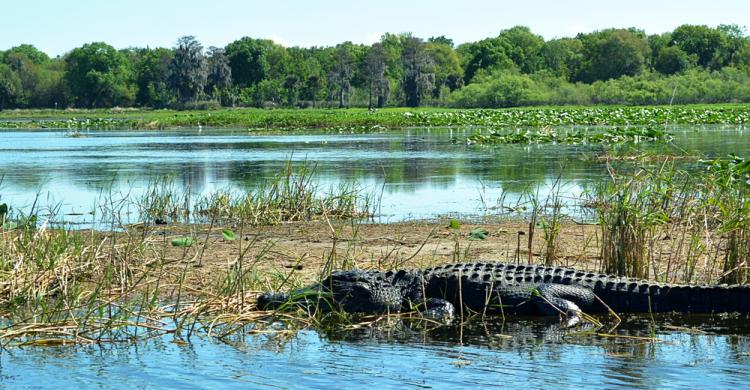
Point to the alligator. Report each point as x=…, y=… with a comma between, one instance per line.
x=500, y=288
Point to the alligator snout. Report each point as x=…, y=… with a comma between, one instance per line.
x=272, y=300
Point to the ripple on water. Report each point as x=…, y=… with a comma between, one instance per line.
x=523, y=354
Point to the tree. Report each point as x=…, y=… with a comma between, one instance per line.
x=28, y=63
x=248, y=59
x=291, y=85
x=613, y=53
x=51, y=89
x=300, y=66
x=393, y=46
x=671, y=60
x=26, y=70
x=523, y=48
x=152, y=75
x=419, y=71
x=442, y=40
x=448, y=71
x=188, y=71
x=737, y=42
x=488, y=54
x=374, y=68
x=341, y=75
x=708, y=44
x=35, y=55
x=99, y=76
x=313, y=89
x=10, y=87
x=219, y=83
x=563, y=57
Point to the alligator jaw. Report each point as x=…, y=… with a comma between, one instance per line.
x=272, y=300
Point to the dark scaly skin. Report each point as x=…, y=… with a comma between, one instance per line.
x=495, y=288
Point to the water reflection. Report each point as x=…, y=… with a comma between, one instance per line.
x=693, y=352
x=420, y=171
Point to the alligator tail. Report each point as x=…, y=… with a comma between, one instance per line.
x=654, y=297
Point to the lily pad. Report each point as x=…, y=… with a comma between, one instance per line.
x=228, y=235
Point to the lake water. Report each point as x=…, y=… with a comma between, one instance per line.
x=685, y=352
x=415, y=173
x=421, y=174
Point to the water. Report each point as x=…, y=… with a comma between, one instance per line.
x=422, y=175
x=415, y=173
x=516, y=354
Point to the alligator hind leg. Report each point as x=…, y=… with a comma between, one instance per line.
x=566, y=301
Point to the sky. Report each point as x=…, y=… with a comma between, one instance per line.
x=57, y=26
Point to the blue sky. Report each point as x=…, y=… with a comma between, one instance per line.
x=57, y=26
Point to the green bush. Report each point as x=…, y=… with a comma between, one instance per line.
x=507, y=89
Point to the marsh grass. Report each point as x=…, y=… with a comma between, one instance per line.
x=632, y=209
x=291, y=195
x=76, y=287
x=664, y=223
x=63, y=286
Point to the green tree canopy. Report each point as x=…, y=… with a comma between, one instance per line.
x=671, y=60
x=35, y=55
x=708, y=44
x=614, y=53
x=342, y=73
x=248, y=59
x=10, y=87
x=523, y=48
x=419, y=71
x=188, y=71
x=448, y=71
x=99, y=76
x=152, y=75
x=375, y=64
x=563, y=57
x=488, y=54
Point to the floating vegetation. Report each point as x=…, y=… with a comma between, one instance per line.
x=362, y=120
x=545, y=135
x=73, y=124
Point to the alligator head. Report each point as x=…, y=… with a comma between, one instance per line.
x=351, y=291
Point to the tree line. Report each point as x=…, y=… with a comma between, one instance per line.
x=693, y=63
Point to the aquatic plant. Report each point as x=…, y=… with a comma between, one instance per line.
x=362, y=120
x=614, y=135
x=664, y=223
x=291, y=195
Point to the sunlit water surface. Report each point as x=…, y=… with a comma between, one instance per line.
x=418, y=173
x=411, y=173
x=684, y=353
